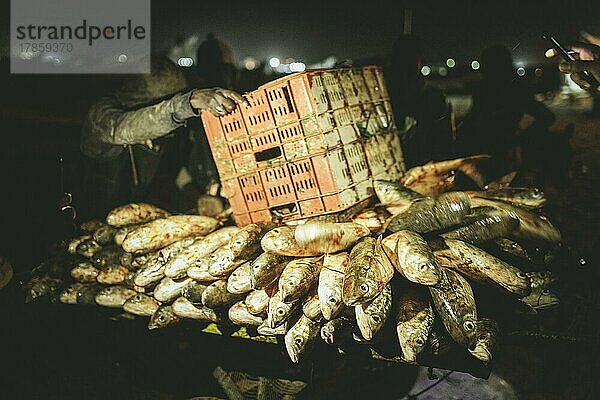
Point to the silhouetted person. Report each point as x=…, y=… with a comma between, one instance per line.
x=499, y=102
x=422, y=113
x=135, y=137
x=215, y=63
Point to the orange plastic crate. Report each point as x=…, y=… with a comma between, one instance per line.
x=309, y=143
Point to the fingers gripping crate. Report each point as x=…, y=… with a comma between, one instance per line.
x=308, y=143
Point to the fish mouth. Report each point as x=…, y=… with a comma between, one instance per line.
x=481, y=353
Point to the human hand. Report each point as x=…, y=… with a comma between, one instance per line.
x=218, y=101
x=587, y=58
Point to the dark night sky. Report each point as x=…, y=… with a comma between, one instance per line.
x=313, y=30
x=310, y=31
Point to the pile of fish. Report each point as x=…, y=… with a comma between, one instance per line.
x=414, y=260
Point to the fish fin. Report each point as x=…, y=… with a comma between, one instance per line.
x=468, y=166
x=383, y=258
x=502, y=182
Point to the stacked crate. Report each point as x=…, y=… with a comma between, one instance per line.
x=308, y=144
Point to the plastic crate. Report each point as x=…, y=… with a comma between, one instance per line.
x=309, y=143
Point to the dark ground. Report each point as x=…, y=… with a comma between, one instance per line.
x=63, y=352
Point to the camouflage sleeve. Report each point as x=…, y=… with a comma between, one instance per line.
x=109, y=126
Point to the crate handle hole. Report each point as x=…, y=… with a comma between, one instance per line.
x=283, y=210
x=268, y=154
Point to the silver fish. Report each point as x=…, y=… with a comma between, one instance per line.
x=238, y=314
x=69, y=294
x=487, y=333
x=239, y=281
x=312, y=308
x=433, y=214
x=281, y=240
x=483, y=267
x=389, y=192
x=279, y=311
x=168, y=289
x=85, y=272
x=412, y=256
x=367, y=273
x=414, y=320
x=533, y=227
x=193, y=292
x=266, y=269
x=134, y=213
x=298, y=277
x=161, y=232
x=114, y=296
x=141, y=304
x=246, y=242
x=371, y=317
x=216, y=295
x=492, y=225
x=163, y=317
x=113, y=275
x=223, y=262
x=300, y=337
x=257, y=302
x=202, y=247
x=455, y=304
x=183, y=308
x=329, y=237
x=330, y=284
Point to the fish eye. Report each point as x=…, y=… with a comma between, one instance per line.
x=469, y=325
x=376, y=318
x=298, y=341
x=364, y=287
x=332, y=300
x=420, y=341
x=546, y=291
x=280, y=311
x=521, y=275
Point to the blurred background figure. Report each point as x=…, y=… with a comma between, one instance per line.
x=215, y=65
x=499, y=103
x=422, y=113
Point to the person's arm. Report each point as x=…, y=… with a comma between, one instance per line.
x=109, y=125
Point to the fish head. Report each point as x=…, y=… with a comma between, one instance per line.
x=278, y=311
x=162, y=317
x=296, y=341
x=368, y=321
x=331, y=305
x=481, y=351
x=139, y=300
x=413, y=335
x=289, y=286
x=359, y=288
x=386, y=191
x=104, y=295
x=68, y=295
x=427, y=273
x=541, y=299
